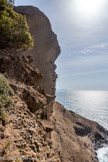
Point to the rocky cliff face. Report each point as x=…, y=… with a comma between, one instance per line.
x=24, y=111
x=32, y=126
x=46, y=48
x=25, y=127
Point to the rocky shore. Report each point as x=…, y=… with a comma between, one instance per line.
x=74, y=137
x=33, y=127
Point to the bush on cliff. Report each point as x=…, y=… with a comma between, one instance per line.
x=5, y=97
x=14, y=31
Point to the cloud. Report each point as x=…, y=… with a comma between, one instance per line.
x=93, y=48
x=84, y=62
x=90, y=72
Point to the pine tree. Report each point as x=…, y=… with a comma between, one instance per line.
x=14, y=31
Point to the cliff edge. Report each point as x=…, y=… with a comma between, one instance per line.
x=74, y=137
x=46, y=48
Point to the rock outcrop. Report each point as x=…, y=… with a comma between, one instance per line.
x=23, y=133
x=26, y=130
x=46, y=48
x=24, y=78
x=74, y=137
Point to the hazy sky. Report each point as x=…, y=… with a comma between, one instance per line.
x=82, y=30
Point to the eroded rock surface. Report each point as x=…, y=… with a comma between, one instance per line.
x=31, y=75
x=23, y=135
x=46, y=48
x=74, y=137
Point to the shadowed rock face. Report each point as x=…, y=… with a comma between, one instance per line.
x=18, y=68
x=46, y=48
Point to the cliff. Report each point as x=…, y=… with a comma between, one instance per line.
x=25, y=111
x=22, y=116
x=46, y=48
x=33, y=127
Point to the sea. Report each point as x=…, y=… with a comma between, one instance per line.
x=92, y=105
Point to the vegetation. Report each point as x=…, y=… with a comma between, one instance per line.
x=8, y=144
x=17, y=160
x=39, y=117
x=6, y=147
x=5, y=99
x=72, y=113
x=14, y=31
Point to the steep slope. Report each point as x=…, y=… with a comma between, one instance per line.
x=46, y=48
x=74, y=137
x=23, y=134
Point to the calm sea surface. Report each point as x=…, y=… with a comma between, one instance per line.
x=90, y=104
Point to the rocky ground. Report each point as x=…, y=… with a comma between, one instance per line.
x=24, y=137
x=24, y=134
x=74, y=137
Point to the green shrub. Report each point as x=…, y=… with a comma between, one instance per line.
x=17, y=160
x=14, y=31
x=5, y=97
x=7, y=146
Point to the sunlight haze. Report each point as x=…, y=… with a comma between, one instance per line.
x=82, y=30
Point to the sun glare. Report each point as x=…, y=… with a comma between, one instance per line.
x=88, y=8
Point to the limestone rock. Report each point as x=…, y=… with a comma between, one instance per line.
x=17, y=67
x=46, y=48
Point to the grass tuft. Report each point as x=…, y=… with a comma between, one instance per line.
x=5, y=97
x=72, y=113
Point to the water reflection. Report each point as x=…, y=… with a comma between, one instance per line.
x=90, y=104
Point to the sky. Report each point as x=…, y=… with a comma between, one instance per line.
x=82, y=31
